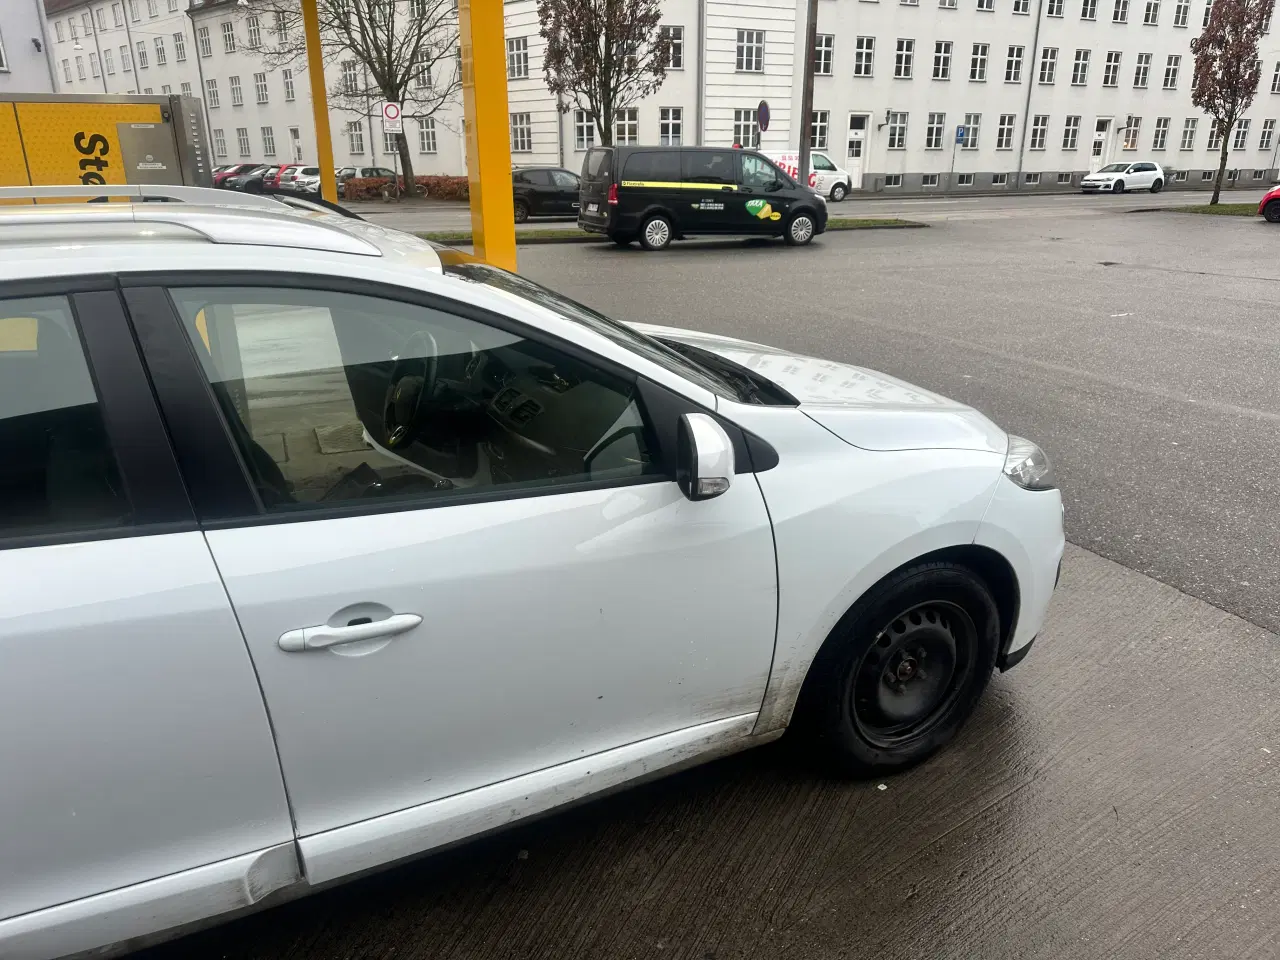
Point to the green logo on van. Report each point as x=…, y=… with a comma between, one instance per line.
x=762, y=210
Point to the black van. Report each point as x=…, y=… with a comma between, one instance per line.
x=659, y=194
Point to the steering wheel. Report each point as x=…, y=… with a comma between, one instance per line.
x=413, y=378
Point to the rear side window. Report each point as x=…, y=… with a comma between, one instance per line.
x=595, y=165
x=57, y=471
x=537, y=177
x=710, y=166
x=654, y=166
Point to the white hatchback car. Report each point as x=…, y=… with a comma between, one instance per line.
x=323, y=547
x=1120, y=177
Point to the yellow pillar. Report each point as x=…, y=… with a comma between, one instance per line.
x=484, y=102
x=319, y=101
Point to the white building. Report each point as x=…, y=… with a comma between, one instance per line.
x=1044, y=89
x=25, y=66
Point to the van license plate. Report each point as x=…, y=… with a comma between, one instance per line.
x=592, y=207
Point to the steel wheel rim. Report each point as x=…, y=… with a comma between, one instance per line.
x=801, y=229
x=913, y=674
x=837, y=194
x=657, y=232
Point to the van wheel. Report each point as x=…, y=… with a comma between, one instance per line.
x=799, y=230
x=1157, y=186
x=656, y=233
x=838, y=192
x=902, y=672
x=522, y=211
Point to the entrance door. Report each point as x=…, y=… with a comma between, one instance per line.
x=1100, y=154
x=857, y=146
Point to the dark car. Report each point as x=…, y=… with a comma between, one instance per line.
x=346, y=173
x=544, y=192
x=255, y=180
x=659, y=194
x=220, y=177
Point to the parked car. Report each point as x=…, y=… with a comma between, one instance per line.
x=1120, y=177
x=659, y=194
x=220, y=177
x=251, y=181
x=271, y=182
x=308, y=183
x=544, y=192
x=324, y=547
x=825, y=176
x=1269, y=206
x=299, y=178
x=346, y=173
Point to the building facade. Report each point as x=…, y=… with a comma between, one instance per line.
x=25, y=64
x=911, y=95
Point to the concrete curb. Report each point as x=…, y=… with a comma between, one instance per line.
x=571, y=236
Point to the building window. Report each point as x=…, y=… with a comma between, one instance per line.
x=108, y=62
x=282, y=25
x=934, y=131
x=1131, y=133
x=1215, y=135
x=350, y=77
x=518, y=58
x=1275, y=79
x=1048, y=64
x=418, y=9
x=1032, y=179
x=94, y=67
x=1180, y=176
x=1039, y=130
x=260, y=87
x=1189, y=133
x=1064, y=178
x=1152, y=15
x=166, y=89
x=228, y=37
x=255, y=32
x=929, y=180
x=904, y=59
x=897, y=131
x=999, y=179
x=237, y=95
x=893, y=180
x=1142, y=71
x=584, y=130
x=942, y=60
x=987, y=6
x=1022, y=7
x=978, y=62
x=972, y=128
x=268, y=142
x=824, y=53
x=1268, y=133
x=909, y=3
x=161, y=57
x=133, y=11
x=355, y=136
x=1080, y=69
x=142, y=54
x=211, y=93
x=1071, y=133
x=1013, y=65
x=242, y=141
x=964, y=180
x=390, y=143
x=521, y=133
x=1161, y=137
x=151, y=9
x=746, y=130
x=179, y=47
x=66, y=70
x=1171, y=72
x=427, y=135
x=626, y=126
x=1208, y=11
x=288, y=85
x=148, y=91
x=1111, y=69
x=1241, y=138
x=422, y=75
x=1055, y=8
x=819, y=122
x=947, y=4
x=219, y=143
x=57, y=28
x=864, y=55
x=1089, y=10
x=1004, y=132
x=675, y=46
x=126, y=60
x=101, y=18
x=186, y=89
x=670, y=126
x=1180, y=13
x=1120, y=12
x=1206, y=175
x=202, y=38
x=750, y=55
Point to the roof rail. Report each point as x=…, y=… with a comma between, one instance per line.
x=142, y=191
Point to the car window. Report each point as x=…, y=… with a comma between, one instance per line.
x=335, y=398
x=539, y=177
x=822, y=163
x=757, y=172
x=564, y=180
x=710, y=166
x=595, y=165
x=1114, y=168
x=308, y=171
x=347, y=172
x=57, y=471
x=654, y=166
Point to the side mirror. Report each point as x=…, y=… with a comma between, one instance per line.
x=704, y=457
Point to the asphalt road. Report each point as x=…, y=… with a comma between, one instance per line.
x=1116, y=796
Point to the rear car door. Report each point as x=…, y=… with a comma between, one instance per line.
x=136, y=745
x=709, y=200
x=471, y=524
x=542, y=194
x=566, y=185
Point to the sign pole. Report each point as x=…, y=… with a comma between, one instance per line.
x=951, y=177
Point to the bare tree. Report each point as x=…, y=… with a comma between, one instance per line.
x=602, y=56
x=403, y=51
x=1227, y=67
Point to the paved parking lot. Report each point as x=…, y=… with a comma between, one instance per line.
x=1115, y=796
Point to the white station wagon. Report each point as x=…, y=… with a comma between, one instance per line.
x=322, y=547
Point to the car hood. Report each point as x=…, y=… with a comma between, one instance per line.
x=1101, y=176
x=863, y=407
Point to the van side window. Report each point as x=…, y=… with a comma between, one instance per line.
x=822, y=163
x=662, y=166
x=757, y=172
x=710, y=166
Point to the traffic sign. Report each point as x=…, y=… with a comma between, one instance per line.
x=762, y=116
x=391, y=120
x=959, y=134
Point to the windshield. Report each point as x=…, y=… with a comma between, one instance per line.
x=1114, y=168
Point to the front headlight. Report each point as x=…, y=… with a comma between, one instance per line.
x=1028, y=466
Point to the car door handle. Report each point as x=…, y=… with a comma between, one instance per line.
x=317, y=638
x=729, y=188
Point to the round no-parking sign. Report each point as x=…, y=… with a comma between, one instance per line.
x=391, y=122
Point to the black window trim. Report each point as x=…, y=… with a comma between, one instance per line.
x=218, y=478
x=134, y=428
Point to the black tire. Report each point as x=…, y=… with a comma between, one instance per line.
x=869, y=706
x=839, y=192
x=656, y=233
x=522, y=211
x=800, y=229
x=1157, y=186
x=1118, y=187
x=1272, y=212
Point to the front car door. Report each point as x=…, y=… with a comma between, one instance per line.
x=711, y=200
x=761, y=201
x=479, y=532
x=825, y=174
x=567, y=186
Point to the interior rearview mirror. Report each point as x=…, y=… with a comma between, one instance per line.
x=704, y=457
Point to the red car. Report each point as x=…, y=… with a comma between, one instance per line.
x=271, y=181
x=234, y=170
x=1270, y=206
